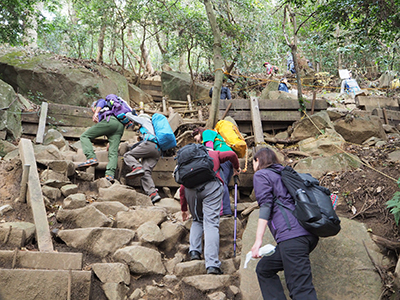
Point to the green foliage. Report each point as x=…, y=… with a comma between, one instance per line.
x=36, y=97
x=394, y=204
x=13, y=17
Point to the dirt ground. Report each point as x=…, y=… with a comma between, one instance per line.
x=363, y=194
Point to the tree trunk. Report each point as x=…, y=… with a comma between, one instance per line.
x=145, y=56
x=294, y=53
x=30, y=35
x=218, y=63
x=100, y=43
x=182, y=62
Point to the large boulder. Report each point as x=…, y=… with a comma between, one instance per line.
x=359, y=129
x=176, y=86
x=311, y=127
x=10, y=119
x=98, y=241
x=341, y=265
x=327, y=144
x=317, y=167
x=50, y=78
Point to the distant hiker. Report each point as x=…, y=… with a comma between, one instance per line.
x=270, y=69
x=349, y=85
x=225, y=93
x=204, y=205
x=283, y=85
x=294, y=243
x=309, y=64
x=213, y=140
x=290, y=63
x=146, y=149
x=106, y=124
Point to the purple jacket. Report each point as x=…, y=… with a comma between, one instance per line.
x=281, y=222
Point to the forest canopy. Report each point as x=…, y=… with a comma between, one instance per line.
x=146, y=36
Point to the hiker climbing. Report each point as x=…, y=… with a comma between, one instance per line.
x=283, y=85
x=294, y=243
x=105, y=115
x=225, y=93
x=270, y=69
x=213, y=140
x=148, y=149
x=349, y=85
x=204, y=198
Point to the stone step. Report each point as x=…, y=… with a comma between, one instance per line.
x=41, y=260
x=45, y=284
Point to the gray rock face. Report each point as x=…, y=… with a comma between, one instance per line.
x=55, y=137
x=305, y=128
x=149, y=232
x=75, y=201
x=327, y=144
x=59, y=81
x=358, y=130
x=172, y=233
x=98, y=241
x=141, y=260
x=134, y=218
x=206, y=283
x=84, y=217
x=112, y=272
x=110, y=207
x=117, y=192
x=340, y=265
x=9, y=121
x=176, y=86
x=317, y=167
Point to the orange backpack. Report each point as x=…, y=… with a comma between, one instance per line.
x=232, y=137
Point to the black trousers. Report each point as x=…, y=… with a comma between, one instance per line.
x=291, y=256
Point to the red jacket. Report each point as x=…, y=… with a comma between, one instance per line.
x=218, y=159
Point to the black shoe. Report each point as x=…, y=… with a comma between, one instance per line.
x=194, y=255
x=214, y=270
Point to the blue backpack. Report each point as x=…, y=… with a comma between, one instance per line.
x=165, y=135
x=116, y=107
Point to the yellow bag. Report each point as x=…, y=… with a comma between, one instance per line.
x=232, y=137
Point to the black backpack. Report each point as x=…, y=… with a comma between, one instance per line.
x=313, y=205
x=194, y=166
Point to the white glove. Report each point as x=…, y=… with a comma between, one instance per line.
x=265, y=250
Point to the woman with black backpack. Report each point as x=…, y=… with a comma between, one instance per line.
x=294, y=243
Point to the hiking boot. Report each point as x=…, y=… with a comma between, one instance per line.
x=214, y=270
x=135, y=172
x=110, y=178
x=194, y=255
x=92, y=162
x=155, y=197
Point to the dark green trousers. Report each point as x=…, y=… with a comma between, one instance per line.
x=113, y=130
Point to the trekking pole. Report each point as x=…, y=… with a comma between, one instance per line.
x=235, y=179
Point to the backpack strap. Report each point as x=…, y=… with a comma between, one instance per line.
x=281, y=206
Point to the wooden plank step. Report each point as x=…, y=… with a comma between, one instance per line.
x=74, y=132
x=70, y=110
x=151, y=82
x=266, y=116
x=244, y=104
x=59, y=120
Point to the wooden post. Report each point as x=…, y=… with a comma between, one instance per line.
x=257, y=125
x=24, y=183
x=314, y=96
x=189, y=102
x=35, y=197
x=200, y=114
x=42, y=122
x=226, y=111
x=164, y=105
x=385, y=118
